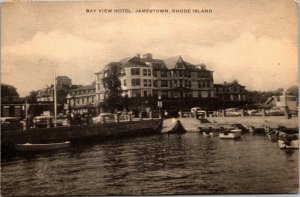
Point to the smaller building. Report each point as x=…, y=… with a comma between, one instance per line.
x=82, y=99
x=283, y=101
x=45, y=94
x=232, y=91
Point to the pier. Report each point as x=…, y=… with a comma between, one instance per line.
x=80, y=134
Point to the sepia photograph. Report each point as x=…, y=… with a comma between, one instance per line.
x=153, y=97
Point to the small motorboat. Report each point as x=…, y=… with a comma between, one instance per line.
x=230, y=134
x=41, y=147
x=236, y=130
x=274, y=135
x=288, y=141
x=175, y=128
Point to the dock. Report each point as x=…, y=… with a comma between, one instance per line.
x=80, y=134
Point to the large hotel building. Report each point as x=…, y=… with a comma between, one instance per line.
x=159, y=78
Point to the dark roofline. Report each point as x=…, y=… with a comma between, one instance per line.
x=86, y=87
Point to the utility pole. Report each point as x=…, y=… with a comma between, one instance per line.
x=55, y=104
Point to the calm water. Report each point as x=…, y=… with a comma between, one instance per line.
x=178, y=164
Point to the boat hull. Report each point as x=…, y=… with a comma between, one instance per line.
x=210, y=134
x=294, y=144
x=230, y=135
x=176, y=128
x=41, y=147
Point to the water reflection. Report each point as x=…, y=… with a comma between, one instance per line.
x=161, y=164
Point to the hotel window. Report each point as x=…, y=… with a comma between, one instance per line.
x=175, y=73
x=145, y=82
x=180, y=65
x=135, y=82
x=185, y=83
x=164, y=83
x=180, y=73
x=136, y=93
x=135, y=71
x=185, y=73
x=180, y=83
x=199, y=84
x=149, y=72
x=175, y=95
x=175, y=83
x=154, y=73
x=144, y=72
x=164, y=73
x=207, y=84
x=149, y=82
x=209, y=94
x=124, y=82
x=188, y=74
x=164, y=94
x=155, y=83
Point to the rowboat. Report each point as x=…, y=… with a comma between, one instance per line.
x=288, y=141
x=231, y=134
x=41, y=147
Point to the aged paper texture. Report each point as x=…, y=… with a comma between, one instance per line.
x=178, y=62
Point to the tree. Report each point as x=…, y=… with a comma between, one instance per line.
x=293, y=90
x=8, y=93
x=32, y=97
x=112, y=84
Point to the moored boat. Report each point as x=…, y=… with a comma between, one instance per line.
x=175, y=128
x=210, y=134
x=41, y=147
x=274, y=135
x=288, y=141
x=231, y=134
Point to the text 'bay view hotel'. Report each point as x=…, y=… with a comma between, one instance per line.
x=171, y=78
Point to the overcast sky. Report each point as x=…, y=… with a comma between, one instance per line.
x=254, y=42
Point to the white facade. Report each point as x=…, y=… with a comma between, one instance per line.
x=170, y=78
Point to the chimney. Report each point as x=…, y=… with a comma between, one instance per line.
x=201, y=66
x=147, y=56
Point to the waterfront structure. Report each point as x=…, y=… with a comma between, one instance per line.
x=147, y=77
x=232, y=91
x=284, y=100
x=81, y=100
x=45, y=96
x=11, y=103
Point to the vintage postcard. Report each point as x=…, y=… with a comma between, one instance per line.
x=160, y=97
